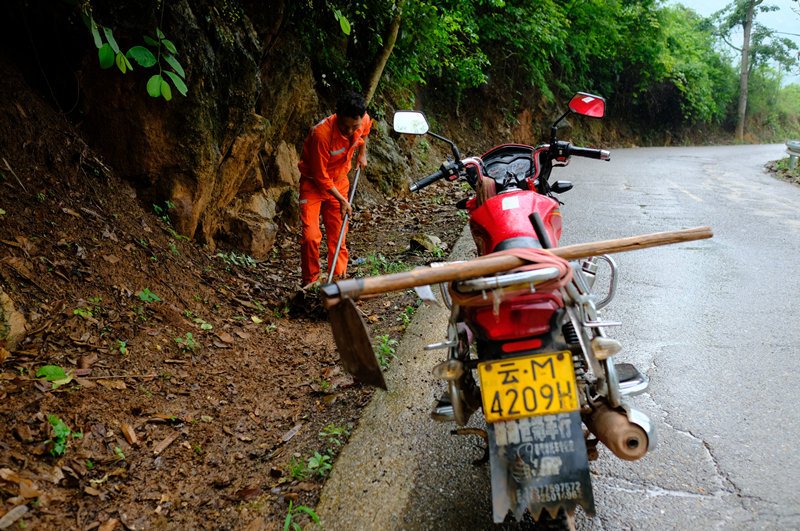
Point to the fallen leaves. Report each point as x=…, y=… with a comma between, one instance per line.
x=291, y=433
x=166, y=442
x=6, y=474
x=20, y=266
x=255, y=525
x=112, y=384
x=23, y=433
x=54, y=374
x=129, y=434
x=93, y=213
x=85, y=362
x=226, y=337
x=249, y=494
x=109, y=525
x=28, y=491
x=110, y=258
x=108, y=234
x=12, y=516
x=71, y=213
x=330, y=399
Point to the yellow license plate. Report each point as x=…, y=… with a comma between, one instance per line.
x=514, y=388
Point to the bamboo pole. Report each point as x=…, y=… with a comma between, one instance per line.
x=355, y=288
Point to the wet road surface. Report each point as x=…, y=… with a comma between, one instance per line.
x=713, y=324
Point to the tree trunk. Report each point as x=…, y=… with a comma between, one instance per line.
x=383, y=55
x=744, y=76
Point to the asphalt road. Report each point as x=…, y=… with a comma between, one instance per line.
x=713, y=324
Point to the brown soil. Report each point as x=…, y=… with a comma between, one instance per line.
x=197, y=434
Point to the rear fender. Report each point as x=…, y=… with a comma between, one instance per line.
x=539, y=463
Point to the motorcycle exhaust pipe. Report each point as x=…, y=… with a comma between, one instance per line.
x=612, y=428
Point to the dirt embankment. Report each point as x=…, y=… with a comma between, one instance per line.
x=193, y=394
x=780, y=170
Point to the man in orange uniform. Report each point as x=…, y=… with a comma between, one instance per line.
x=323, y=183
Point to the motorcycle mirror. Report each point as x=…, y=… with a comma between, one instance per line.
x=588, y=105
x=410, y=122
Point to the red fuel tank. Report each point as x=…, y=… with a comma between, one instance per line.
x=505, y=216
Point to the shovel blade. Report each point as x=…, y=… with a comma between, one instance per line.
x=352, y=341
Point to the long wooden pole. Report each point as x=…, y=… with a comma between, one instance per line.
x=356, y=288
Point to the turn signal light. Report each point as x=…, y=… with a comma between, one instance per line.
x=604, y=347
x=449, y=370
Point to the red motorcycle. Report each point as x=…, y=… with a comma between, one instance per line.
x=528, y=347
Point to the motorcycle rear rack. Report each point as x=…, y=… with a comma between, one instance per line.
x=503, y=281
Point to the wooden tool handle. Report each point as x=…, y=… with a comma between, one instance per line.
x=495, y=264
x=585, y=250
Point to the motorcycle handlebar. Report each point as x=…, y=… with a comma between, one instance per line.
x=430, y=179
x=599, y=154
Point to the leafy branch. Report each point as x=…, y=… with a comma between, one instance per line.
x=110, y=54
x=157, y=85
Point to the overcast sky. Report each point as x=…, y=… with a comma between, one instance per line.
x=784, y=20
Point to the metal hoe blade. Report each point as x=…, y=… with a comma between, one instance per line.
x=355, y=348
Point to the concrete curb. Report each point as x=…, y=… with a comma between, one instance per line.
x=374, y=475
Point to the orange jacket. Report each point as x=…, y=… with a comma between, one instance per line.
x=327, y=153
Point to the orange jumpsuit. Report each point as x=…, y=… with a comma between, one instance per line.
x=325, y=164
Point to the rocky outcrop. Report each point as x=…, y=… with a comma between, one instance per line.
x=197, y=151
x=387, y=168
x=226, y=154
x=285, y=170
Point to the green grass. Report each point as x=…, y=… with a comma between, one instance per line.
x=376, y=264
x=384, y=350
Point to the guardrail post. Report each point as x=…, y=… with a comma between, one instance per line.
x=793, y=150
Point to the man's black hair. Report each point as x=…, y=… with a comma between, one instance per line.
x=352, y=105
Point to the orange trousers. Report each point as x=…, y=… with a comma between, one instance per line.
x=312, y=201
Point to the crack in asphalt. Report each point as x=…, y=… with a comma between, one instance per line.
x=722, y=477
x=654, y=492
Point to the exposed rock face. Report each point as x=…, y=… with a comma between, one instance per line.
x=12, y=323
x=289, y=97
x=197, y=151
x=251, y=233
x=289, y=207
x=285, y=165
x=225, y=155
x=387, y=168
x=366, y=194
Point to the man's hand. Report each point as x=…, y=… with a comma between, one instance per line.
x=344, y=204
x=345, y=208
x=361, y=162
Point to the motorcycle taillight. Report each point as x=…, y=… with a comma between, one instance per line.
x=524, y=316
